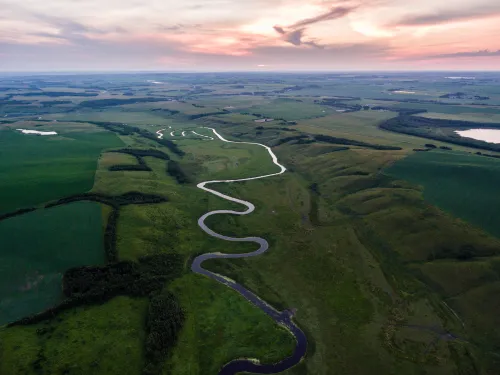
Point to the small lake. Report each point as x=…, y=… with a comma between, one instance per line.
x=486, y=135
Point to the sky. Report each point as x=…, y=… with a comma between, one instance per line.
x=249, y=35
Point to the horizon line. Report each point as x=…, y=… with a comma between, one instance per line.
x=318, y=71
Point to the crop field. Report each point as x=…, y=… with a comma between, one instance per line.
x=462, y=184
x=67, y=166
x=36, y=250
x=383, y=253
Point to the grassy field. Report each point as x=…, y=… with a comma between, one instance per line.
x=477, y=117
x=38, y=247
x=459, y=183
x=220, y=327
x=106, y=339
x=217, y=317
x=67, y=166
x=469, y=273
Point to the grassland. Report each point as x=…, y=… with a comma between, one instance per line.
x=36, y=250
x=464, y=186
x=67, y=166
x=171, y=227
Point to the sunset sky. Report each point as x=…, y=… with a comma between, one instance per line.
x=217, y=35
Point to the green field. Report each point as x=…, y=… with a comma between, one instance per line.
x=36, y=169
x=36, y=250
x=462, y=184
x=105, y=340
x=381, y=252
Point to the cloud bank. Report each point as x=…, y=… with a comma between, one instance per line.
x=243, y=34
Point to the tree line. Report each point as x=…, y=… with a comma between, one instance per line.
x=125, y=277
x=21, y=211
x=164, y=322
x=311, y=138
x=200, y=115
x=147, y=277
x=143, y=153
x=94, y=285
x=175, y=170
x=55, y=102
x=139, y=155
x=428, y=128
x=276, y=128
x=101, y=103
x=56, y=94
x=115, y=202
x=351, y=142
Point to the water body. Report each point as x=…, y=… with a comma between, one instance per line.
x=283, y=318
x=486, y=135
x=26, y=131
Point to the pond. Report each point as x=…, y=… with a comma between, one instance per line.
x=486, y=135
x=26, y=131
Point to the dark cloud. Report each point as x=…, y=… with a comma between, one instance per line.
x=279, y=29
x=71, y=31
x=295, y=37
x=332, y=14
x=481, y=53
x=298, y=29
x=48, y=35
x=314, y=44
x=450, y=15
x=326, y=57
x=67, y=26
x=179, y=28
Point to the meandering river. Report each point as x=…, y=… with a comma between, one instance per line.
x=283, y=318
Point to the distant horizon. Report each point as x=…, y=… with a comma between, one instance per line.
x=337, y=71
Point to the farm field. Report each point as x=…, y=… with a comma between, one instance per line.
x=461, y=184
x=67, y=165
x=36, y=250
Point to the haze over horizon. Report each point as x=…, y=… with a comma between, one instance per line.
x=247, y=35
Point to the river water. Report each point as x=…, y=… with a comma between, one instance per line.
x=283, y=318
